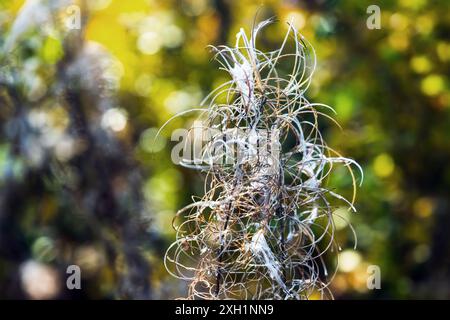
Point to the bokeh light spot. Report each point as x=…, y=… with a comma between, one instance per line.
x=383, y=165
x=433, y=85
x=423, y=207
x=114, y=119
x=150, y=143
x=149, y=42
x=341, y=218
x=349, y=260
x=39, y=281
x=420, y=64
x=297, y=18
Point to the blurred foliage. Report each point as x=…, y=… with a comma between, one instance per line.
x=390, y=89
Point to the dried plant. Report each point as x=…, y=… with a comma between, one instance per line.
x=266, y=220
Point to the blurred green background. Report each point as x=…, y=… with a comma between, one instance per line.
x=81, y=181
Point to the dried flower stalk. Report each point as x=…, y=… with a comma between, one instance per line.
x=266, y=219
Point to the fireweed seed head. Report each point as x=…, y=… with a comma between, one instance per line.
x=266, y=218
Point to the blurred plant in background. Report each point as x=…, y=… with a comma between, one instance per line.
x=59, y=173
x=65, y=175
